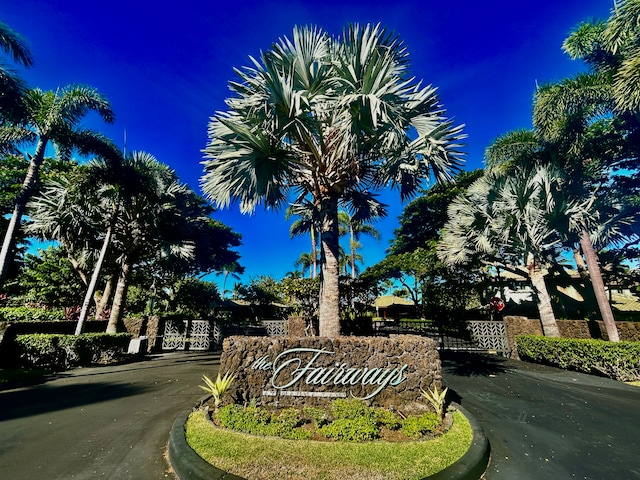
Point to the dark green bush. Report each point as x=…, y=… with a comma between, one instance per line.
x=61, y=352
x=620, y=360
x=30, y=314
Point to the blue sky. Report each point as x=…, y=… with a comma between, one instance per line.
x=165, y=67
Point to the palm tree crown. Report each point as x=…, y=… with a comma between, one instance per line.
x=323, y=117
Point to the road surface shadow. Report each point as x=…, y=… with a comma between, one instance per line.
x=47, y=398
x=466, y=364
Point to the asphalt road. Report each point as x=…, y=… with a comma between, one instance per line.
x=546, y=423
x=104, y=422
x=114, y=422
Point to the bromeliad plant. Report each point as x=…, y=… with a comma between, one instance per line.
x=217, y=388
x=436, y=399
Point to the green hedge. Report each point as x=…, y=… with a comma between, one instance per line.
x=620, y=361
x=61, y=352
x=30, y=314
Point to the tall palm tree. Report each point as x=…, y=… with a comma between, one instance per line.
x=52, y=117
x=12, y=87
x=79, y=211
x=567, y=114
x=350, y=225
x=150, y=225
x=308, y=222
x=305, y=262
x=323, y=117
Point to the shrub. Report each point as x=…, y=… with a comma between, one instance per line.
x=259, y=421
x=349, y=408
x=352, y=429
x=61, y=352
x=417, y=427
x=317, y=415
x=30, y=314
x=620, y=360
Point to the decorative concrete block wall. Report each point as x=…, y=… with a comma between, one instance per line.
x=287, y=371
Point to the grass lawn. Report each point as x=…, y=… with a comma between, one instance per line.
x=260, y=458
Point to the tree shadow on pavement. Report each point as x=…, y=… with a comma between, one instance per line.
x=47, y=398
x=466, y=364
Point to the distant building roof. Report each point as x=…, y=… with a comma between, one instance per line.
x=388, y=300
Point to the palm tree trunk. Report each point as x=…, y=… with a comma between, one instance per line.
x=94, y=280
x=352, y=247
x=543, y=300
x=103, y=300
x=314, y=251
x=30, y=180
x=598, y=286
x=119, y=298
x=329, y=309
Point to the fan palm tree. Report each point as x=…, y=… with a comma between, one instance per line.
x=510, y=218
x=323, y=117
x=52, y=117
x=12, y=87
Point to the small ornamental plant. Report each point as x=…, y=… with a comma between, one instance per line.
x=436, y=399
x=217, y=388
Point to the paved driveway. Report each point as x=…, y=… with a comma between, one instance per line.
x=94, y=423
x=549, y=424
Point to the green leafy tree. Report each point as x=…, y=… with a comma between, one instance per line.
x=49, y=279
x=325, y=117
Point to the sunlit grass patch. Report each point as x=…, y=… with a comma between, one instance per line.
x=260, y=458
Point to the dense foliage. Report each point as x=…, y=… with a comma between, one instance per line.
x=620, y=361
x=348, y=420
x=61, y=352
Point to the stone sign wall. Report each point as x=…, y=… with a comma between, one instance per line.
x=287, y=371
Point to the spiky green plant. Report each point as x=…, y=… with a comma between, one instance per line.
x=436, y=399
x=219, y=387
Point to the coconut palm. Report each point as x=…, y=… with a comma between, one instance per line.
x=568, y=115
x=350, y=225
x=322, y=117
x=52, y=117
x=308, y=222
x=305, y=262
x=12, y=87
x=79, y=210
x=151, y=225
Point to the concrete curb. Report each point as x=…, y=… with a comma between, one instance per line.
x=188, y=465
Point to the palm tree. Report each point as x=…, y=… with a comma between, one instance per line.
x=568, y=116
x=355, y=229
x=306, y=261
x=150, y=225
x=510, y=217
x=325, y=117
x=12, y=87
x=309, y=221
x=79, y=211
x=52, y=117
